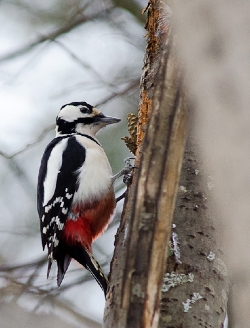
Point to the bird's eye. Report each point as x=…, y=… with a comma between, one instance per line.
x=85, y=110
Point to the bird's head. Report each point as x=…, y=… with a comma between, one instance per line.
x=80, y=117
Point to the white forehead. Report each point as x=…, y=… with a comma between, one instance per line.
x=70, y=113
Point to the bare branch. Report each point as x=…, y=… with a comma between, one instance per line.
x=84, y=65
x=38, y=139
x=129, y=87
x=43, y=296
x=9, y=268
x=54, y=34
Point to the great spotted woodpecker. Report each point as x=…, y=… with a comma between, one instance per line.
x=75, y=194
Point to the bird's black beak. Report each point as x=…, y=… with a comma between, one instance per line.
x=105, y=119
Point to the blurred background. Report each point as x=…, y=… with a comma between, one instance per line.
x=53, y=53
x=56, y=52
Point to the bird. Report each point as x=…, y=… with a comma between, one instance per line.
x=75, y=192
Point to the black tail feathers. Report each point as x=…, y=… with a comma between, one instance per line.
x=62, y=264
x=84, y=257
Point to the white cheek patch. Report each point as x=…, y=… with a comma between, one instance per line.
x=71, y=113
x=53, y=168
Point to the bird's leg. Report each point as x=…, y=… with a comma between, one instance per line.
x=126, y=172
x=120, y=197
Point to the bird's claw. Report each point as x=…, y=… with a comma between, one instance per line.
x=126, y=172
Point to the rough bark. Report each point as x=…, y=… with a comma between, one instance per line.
x=148, y=74
x=141, y=242
x=214, y=45
x=197, y=252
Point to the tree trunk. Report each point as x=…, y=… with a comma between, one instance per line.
x=142, y=239
x=196, y=284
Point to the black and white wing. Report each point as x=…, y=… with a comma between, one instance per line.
x=57, y=184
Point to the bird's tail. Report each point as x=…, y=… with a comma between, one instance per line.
x=84, y=257
x=63, y=262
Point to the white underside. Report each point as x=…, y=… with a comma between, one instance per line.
x=95, y=177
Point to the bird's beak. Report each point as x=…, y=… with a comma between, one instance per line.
x=105, y=119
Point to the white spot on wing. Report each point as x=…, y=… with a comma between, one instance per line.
x=69, y=195
x=60, y=226
x=53, y=167
x=58, y=223
x=64, y=210
x=47, y=208
x=56, y=242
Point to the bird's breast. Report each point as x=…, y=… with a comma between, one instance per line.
x=94, y=200
x=95, y=175
x=87, y=220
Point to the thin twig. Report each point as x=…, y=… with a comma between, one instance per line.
x=27, y=265
x=130, y=86
x=54, y=34
x=27, y=146
x=83, y=64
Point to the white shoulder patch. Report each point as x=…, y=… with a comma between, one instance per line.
x=53, y=168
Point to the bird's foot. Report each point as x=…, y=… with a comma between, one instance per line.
x=126, y=172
